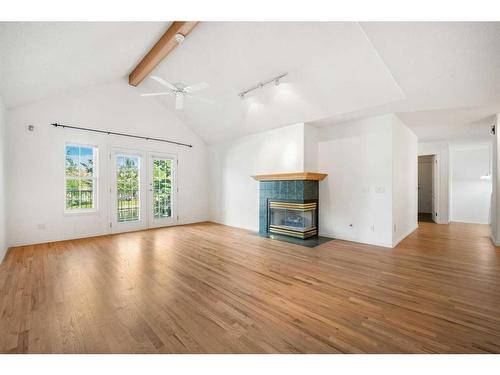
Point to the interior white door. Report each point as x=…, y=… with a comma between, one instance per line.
x=129, y=195
x=424, y=185
x=162, y=195
x=435, y=188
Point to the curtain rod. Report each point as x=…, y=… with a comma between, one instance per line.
x=121, y=134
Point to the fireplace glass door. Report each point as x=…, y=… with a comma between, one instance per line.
x=293, y=219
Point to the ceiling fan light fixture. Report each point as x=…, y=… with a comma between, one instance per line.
x=179, y=90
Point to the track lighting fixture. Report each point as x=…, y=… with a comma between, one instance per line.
x=261, y=85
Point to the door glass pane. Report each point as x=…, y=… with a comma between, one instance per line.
x=162, y=188
x=128, y=188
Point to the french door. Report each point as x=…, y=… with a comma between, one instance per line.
x=143, y=190
x=162, y=190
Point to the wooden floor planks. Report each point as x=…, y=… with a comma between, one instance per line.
x=208, y=288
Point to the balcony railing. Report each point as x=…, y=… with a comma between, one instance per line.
x=128, y=204
x=79, y=199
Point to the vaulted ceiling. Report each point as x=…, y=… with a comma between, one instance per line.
x=442, y=79
x=39, y=59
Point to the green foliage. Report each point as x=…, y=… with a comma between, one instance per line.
x=79, y=185
x=162, y=188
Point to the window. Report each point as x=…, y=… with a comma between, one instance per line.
x=81, y=178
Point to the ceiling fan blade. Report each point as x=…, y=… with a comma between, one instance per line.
x=157, y=93
x=196, y=87
x=179, y=101
x=164, y=83
x=200, y=99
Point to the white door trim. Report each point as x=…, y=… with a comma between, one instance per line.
x=142, y=223
x=152, y=222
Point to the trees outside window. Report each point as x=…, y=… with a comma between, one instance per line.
x=80, y=178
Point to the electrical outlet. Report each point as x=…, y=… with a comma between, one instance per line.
x=41, y=226
x=372, y=227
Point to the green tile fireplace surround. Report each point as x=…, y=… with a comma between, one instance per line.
x=292, y=191
x=291, y=187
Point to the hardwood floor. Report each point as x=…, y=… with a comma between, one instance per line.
x=208, y=288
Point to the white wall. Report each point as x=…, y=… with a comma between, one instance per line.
x=356, y=198
x=3, y=200
x=35, y=186
x=371, y=188
x=442, y=152
x=470, y=195
x=234, y=194
x=358, y=157
x=311, y=138
x=404, y=181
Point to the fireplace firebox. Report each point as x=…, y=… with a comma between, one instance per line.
x=296, y=219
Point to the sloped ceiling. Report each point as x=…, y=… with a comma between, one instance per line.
x=442, y=79
x=449, y=72
x=39, y=59
x=332, y=68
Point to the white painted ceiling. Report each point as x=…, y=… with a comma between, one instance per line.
x=442, y=79
x=449, y=72
x=39, y=59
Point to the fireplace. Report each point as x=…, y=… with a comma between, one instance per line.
x=288, y=206
x=290, y=218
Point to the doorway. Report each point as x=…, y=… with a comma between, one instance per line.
x=143, y=190
x=427, y=188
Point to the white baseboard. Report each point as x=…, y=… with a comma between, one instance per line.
x=96, y=234
x=350, y=239
x=467, y=222
x=3, y=253
x=233, y=225
x=56, y=239
x=375, y=243
x=404, y=235
x=493, y=239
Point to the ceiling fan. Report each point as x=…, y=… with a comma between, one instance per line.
x=179, y=90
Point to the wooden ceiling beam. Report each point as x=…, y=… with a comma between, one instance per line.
x=160, y=50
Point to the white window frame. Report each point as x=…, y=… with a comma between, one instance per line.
x=94, y=178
